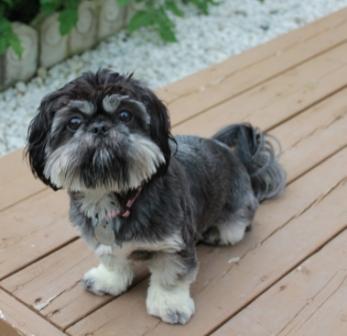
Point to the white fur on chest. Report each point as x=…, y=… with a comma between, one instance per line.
x=169, y=245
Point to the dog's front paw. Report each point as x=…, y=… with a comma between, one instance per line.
x=174, y=306
x=101, y=281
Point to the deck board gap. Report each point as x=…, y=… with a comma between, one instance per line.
x=55, y=249
x=23, y=199
x=318, y=163
x=317, y=102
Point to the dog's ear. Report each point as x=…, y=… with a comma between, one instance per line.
x=160, y=124
x=37, y=139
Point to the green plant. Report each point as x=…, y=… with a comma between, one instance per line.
x=26, y=11
x=155, y=14
x=7, y=36
x=68, y=12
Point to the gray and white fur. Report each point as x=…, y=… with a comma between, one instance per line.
x=104, y=138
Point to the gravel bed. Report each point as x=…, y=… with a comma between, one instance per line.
x=231, y=27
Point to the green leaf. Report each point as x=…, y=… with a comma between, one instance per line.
x=5, y=34
x=49, y=6
x=8, y=38
x=142, y=18
x=172, y=6
x=5, y=26
x=167, y=34
x=155, y=14
x=67, y=20
x=3, y=45
x=202, y=5
x=165, y=26
x=16, y=45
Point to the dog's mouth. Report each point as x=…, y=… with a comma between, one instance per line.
x=102, y=165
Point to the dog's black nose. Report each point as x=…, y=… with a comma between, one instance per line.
x=99, y=127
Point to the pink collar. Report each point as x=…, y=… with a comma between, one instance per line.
x=125, y=213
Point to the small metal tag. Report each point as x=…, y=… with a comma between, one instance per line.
x=104, y=233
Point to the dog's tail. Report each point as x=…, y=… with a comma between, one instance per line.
x=258, y=155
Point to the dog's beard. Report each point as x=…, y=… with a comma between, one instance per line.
x=108, y=165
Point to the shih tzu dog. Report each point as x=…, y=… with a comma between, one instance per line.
x=138, y=194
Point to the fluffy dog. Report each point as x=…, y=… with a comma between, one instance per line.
x=138, y=193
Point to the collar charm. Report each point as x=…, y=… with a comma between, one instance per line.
x=104, y=232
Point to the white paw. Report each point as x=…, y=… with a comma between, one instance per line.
x=233, y=233
x=100, y=281
x=174, y=306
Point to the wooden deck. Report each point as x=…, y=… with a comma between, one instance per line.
x=288, y=277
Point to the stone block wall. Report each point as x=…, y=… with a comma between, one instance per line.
x=43, y=45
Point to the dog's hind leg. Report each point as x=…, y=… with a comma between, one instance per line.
x=232, y=230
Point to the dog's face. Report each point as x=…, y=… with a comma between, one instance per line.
x=100, y=131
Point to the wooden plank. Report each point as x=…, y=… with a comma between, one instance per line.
x=207, y=88
x=329, y=318
x=64, y=309
x=263, y=260
x=16, y=179
x=323, y=126
x=311, y=300
x=54, y=278
x=280, y=98
x=52, y=285
x=33, y=228
x=217, y=83
x=18, y=320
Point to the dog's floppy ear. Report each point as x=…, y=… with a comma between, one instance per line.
x=160, y=124
x=37, y=139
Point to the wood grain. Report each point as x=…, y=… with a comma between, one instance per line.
x=33, y=228
x=16, y=179
x=278, y=99
x=313, y=135
x=52, y=285
x=17, y=320
x=311, y=300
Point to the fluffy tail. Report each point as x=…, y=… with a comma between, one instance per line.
x=257, y=154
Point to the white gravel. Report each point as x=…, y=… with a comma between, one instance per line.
x=231, y=27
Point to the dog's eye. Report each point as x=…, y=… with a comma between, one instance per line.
x=125, y=116
x=74, y=123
